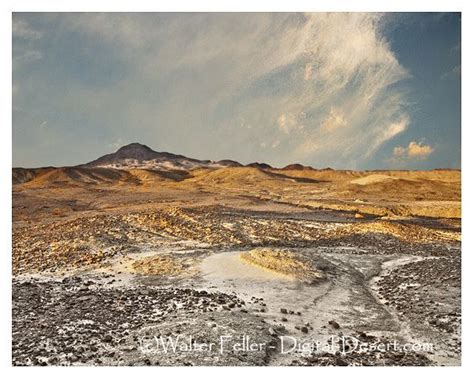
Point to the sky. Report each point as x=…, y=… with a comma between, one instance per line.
x=341, y=90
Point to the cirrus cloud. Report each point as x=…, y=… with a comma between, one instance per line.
x=334, y=121
x=186, y=82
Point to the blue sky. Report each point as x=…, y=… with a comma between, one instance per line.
x=346, y=90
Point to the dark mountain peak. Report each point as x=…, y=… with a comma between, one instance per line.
x=262, y=166
x=134, y=146
x=296, y=166
x=229, y=163
x=133, y=151
x=136, y=151
x=137, y=155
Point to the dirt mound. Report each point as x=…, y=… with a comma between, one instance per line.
x=444, y=175
x=229, y=163
x=82, y=176
x=326, y=175
x=23, y=175
x=262, y=166
x=372, y=179
x=295, y=166
x=159, y=266
x=154, y=176
x=363, y=178
x=282, y=262
x=233, y=176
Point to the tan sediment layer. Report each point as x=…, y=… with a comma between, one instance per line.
x=409, y=233
x=439, y=209
x=160, y=266
x=282, y=262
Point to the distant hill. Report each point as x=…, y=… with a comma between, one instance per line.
x=261, y=166
x=138, y=156
x=229, y=163
x=296, y=166
x=134, y=163
x=138, y=164
x=23, y=175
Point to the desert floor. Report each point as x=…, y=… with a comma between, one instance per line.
x=107, y=261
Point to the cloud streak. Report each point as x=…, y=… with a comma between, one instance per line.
x=321, y=89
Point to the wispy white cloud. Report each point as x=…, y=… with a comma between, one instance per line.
x=388, y=133
x=308, y=71
x=323, y=85
x=454, y=72
x=21, y=29
x=24, y=37
x=334, y=121
x=289, y=122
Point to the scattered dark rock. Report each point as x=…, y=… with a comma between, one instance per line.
x=334, y=324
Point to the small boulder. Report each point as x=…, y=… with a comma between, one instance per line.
x=334, y=324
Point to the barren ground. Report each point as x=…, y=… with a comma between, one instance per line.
x=105, y=263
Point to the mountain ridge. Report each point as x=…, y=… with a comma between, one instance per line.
x=137, y=155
